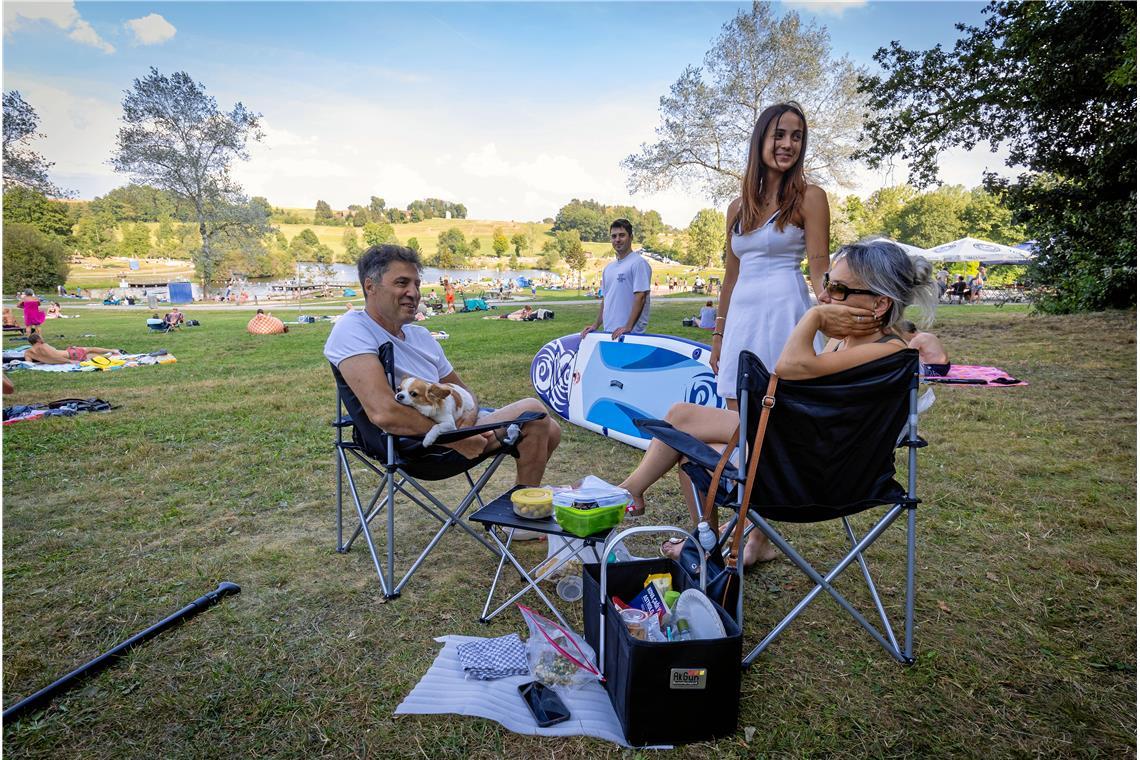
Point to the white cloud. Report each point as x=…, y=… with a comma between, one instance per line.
x=85, y=33
x=62, y=15
x=19, y=15
x=151, y=30
x=825, y=7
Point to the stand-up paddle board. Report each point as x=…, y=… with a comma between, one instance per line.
x=604, y=385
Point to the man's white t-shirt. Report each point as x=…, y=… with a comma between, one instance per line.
x=620, y=280
x=418, y=354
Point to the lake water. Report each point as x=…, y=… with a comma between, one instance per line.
x=344, y=275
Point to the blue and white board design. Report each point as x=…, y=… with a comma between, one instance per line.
x=604, y=385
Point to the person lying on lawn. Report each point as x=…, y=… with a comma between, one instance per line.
x=39, y=351
x=870, y=287
x=390, y=278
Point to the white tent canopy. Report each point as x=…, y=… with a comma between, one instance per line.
x=972, y=249
x=911, y=250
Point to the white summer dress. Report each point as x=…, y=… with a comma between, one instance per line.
x=768, y=299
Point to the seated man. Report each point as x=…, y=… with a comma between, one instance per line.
x=39, y=351
x=10, y=321
x=931, y=352
x=390, y=278
x=265, y=324
x=707, y=317
x=959, y=290
x=174, y=318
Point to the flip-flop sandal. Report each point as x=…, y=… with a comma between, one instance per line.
x=674, y=541
x=100, y=361
x=632, y=510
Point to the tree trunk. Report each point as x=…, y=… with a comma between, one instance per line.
x=205, y=273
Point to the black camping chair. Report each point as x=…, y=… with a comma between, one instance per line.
x=400, y=462
x=828, y=453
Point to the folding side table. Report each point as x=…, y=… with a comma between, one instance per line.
x=500, y=521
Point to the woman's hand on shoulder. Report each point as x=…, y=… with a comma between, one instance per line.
x=837, y=320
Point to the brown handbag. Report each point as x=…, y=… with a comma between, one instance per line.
x=724, y=585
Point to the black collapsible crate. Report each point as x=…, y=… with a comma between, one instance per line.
x=663, y=692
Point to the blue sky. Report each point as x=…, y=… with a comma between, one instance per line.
x=511, y=108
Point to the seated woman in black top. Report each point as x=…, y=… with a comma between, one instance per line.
x=870, y=287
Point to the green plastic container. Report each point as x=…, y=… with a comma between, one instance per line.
x=586, y=522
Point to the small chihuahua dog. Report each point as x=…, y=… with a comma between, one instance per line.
x=443, y=403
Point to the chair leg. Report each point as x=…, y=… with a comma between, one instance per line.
x=823, y=583
x=871, y=586
x=908, y=635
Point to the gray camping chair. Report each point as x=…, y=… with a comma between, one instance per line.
x=399, y=463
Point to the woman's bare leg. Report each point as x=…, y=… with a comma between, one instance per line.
x=709, y=425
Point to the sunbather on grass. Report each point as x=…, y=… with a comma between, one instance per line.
x=39, y=351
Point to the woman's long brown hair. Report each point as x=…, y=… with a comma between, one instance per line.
x=792, y=184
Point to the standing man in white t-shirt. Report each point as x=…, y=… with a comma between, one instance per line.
x=625, y=287
x=390, y=279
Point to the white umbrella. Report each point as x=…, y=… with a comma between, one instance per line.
x=911, y=250
x=972, y=249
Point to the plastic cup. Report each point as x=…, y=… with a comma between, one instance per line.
x=569, y=588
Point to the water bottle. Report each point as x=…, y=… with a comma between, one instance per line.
x=705, y=535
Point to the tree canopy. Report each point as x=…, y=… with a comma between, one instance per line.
x=591, y=220
x=706, y=238
x=1055, y=83
x=708, y=115
x=175, y=138
x=33, y=259
x=23, y=166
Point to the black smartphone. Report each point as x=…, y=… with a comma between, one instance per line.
x=544, y=704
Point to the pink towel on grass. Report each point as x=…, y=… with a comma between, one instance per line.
x=972, y=372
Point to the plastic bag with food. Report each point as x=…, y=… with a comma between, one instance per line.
x=558, y=657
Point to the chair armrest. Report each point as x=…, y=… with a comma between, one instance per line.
x=692, y=448
x=462, y=433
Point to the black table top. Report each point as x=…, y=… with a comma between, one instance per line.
x=501, y=512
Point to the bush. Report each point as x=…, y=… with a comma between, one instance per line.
x=33, y=259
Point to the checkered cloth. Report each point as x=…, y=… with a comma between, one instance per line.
x=488, y=659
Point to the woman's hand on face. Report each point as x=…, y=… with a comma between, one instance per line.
x=837, y=320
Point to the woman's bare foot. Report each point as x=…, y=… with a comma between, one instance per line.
x=758, y=549
x=636, y=507
x=671, y=548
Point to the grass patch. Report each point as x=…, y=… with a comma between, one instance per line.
x=219, y=467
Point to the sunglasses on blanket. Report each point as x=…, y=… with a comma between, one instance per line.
x=839, y=292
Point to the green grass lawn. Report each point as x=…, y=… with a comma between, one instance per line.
x=219, y=467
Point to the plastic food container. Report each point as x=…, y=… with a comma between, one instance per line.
x=591, y=498
x=532, y=503
x=586, y=522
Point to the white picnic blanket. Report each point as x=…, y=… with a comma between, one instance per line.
x=444, y=690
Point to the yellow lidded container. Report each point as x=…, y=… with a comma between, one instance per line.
x=533, y=503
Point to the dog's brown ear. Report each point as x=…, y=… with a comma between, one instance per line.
x=438, y=392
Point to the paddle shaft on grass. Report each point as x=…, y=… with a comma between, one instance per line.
x=46, y=694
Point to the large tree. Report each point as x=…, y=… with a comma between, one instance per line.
x=1055, y=83
x=33, y=259
x=23, y=166
x=709, y=113
x=706, y=238
x=175, y=138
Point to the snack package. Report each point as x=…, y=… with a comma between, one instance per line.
x=558, y=658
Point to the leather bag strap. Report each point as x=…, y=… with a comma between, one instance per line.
x=768, y=402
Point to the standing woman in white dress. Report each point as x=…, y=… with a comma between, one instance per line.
x=777, y=220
